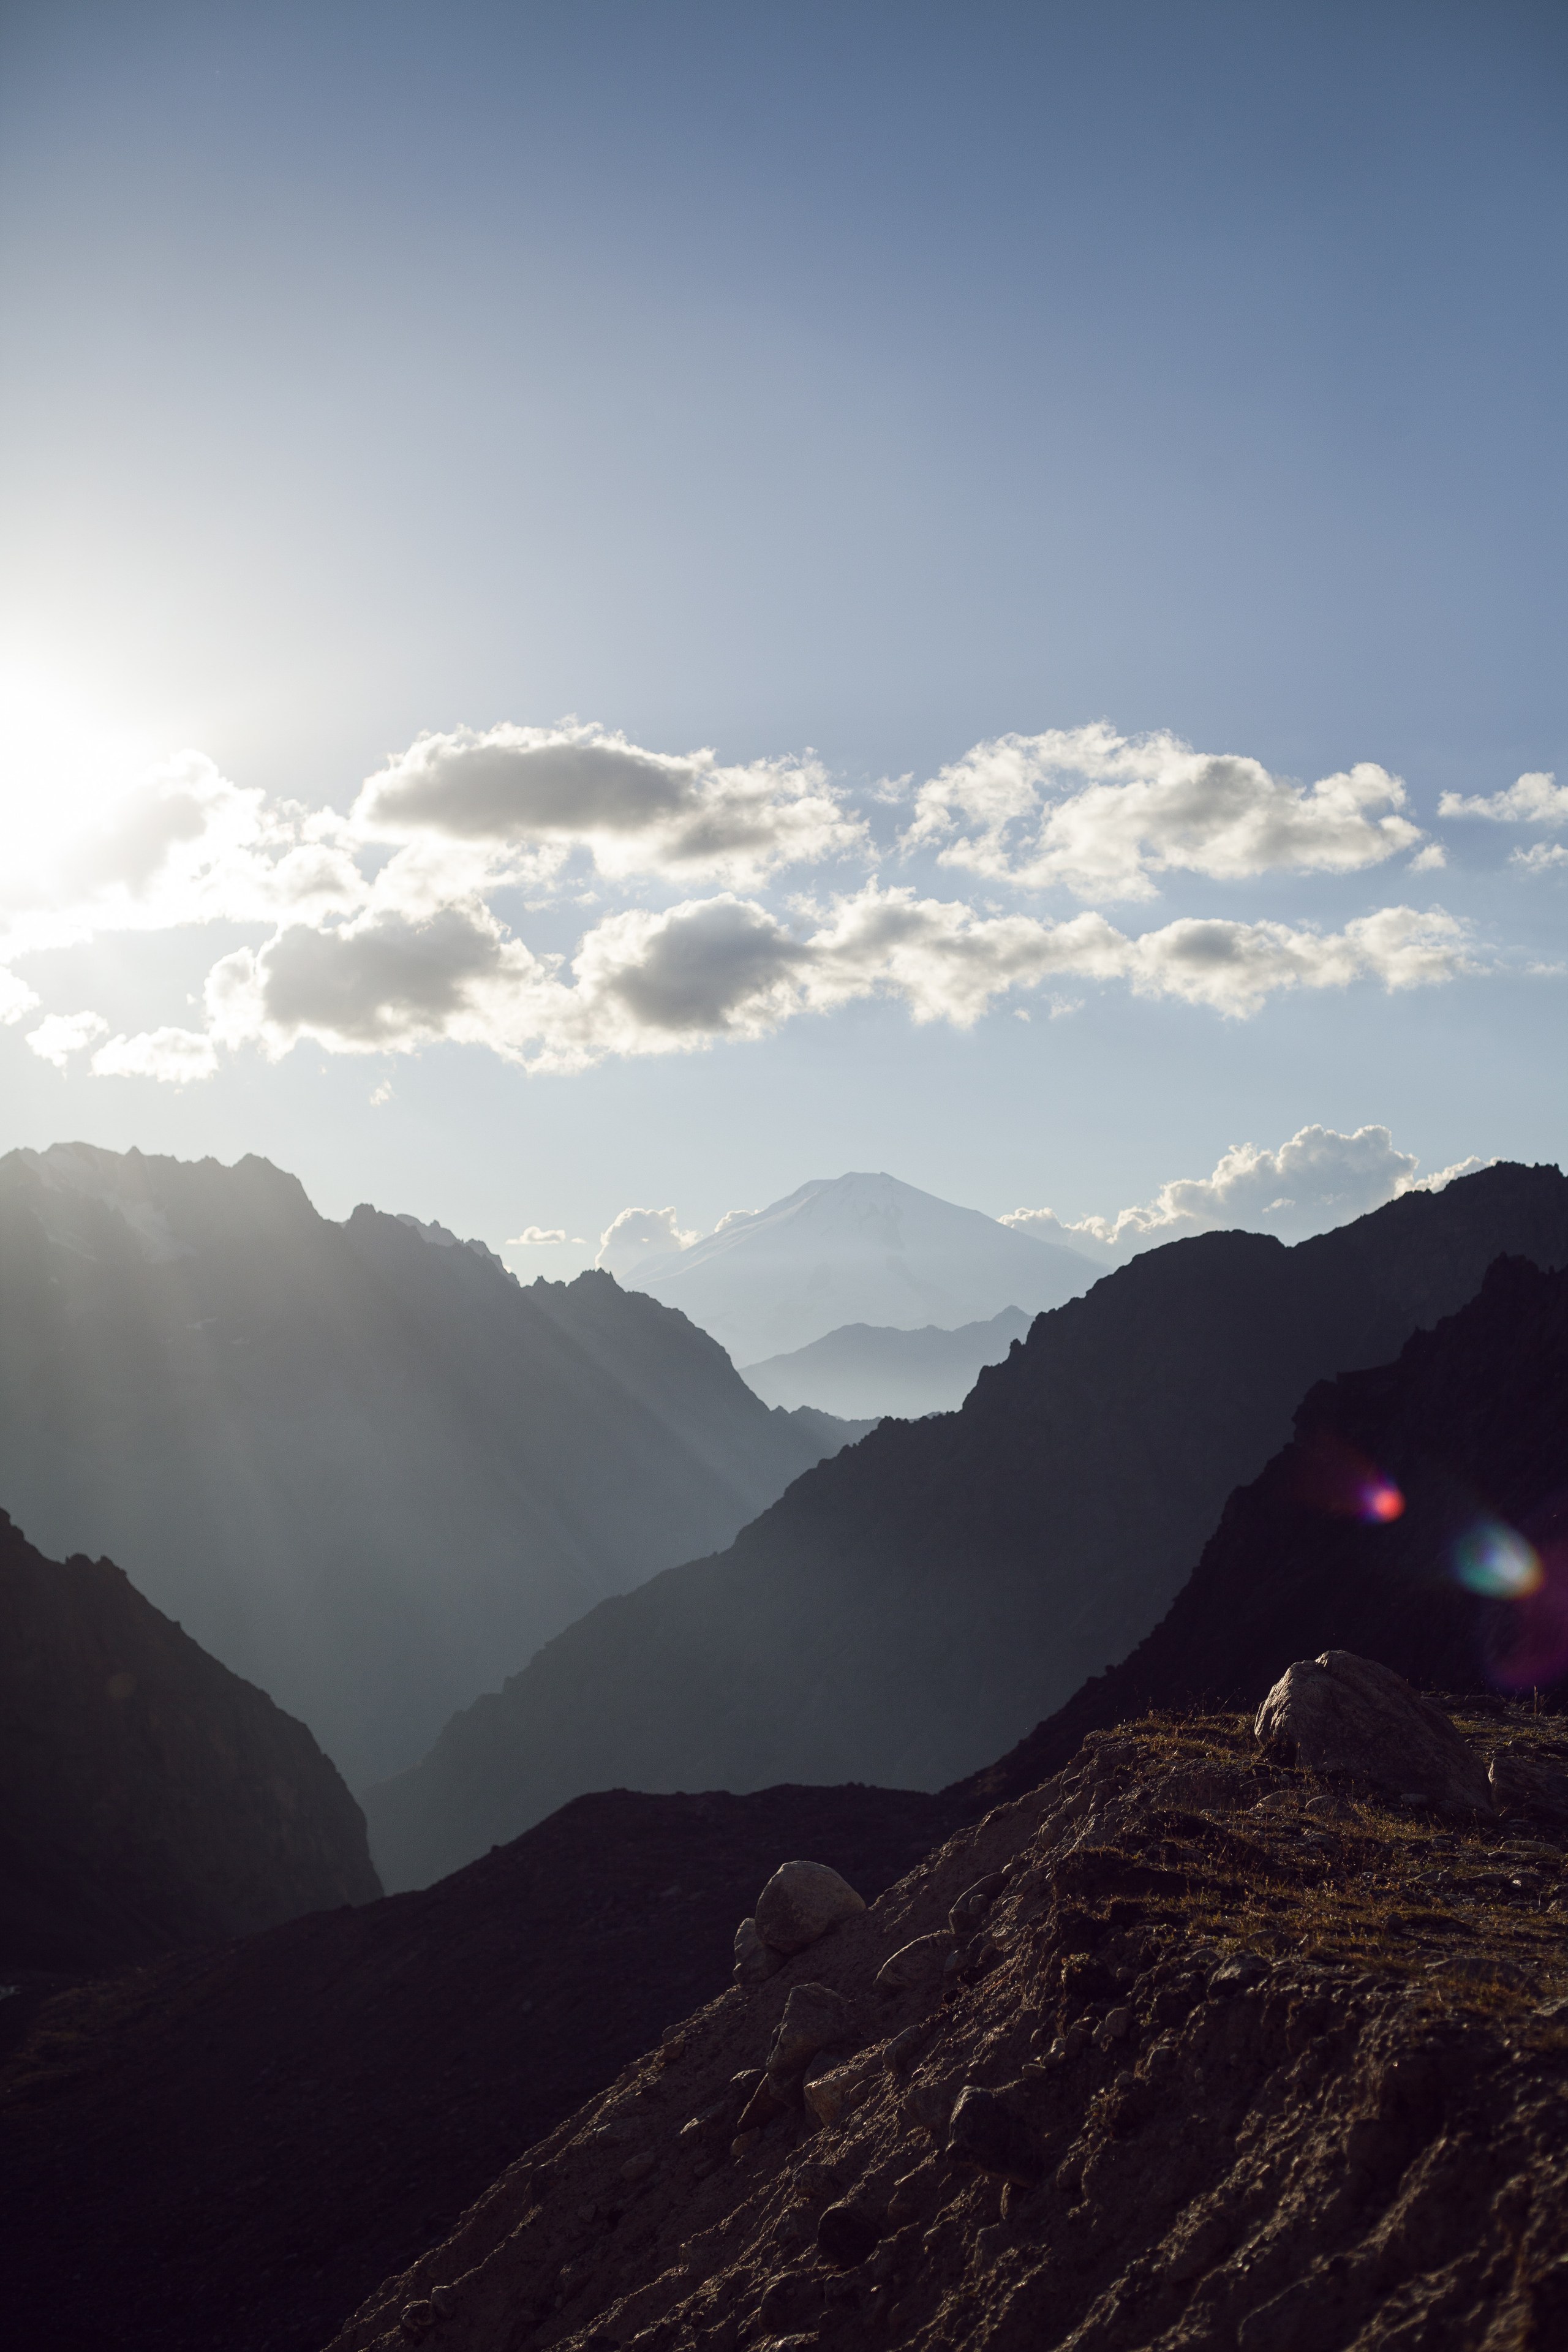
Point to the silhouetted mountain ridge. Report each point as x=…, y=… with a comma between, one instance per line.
x=916, y=1601
x=361, y=1462
x=147, y=1797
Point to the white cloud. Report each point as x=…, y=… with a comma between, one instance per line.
x=17, y=999
x=1320, y=1178
x=1541, y=857
x=173, y=1057
x=637, y=1233
x=64, y=1033
x=544, y=791
x=1430, y=860
x=536, y=1237
x=1102, y=813
x=1534, y=799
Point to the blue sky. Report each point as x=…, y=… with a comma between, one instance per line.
x=846, y=391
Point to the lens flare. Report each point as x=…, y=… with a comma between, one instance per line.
x=1380, y=1502
x=1329, y=1475
x=1496, y=1560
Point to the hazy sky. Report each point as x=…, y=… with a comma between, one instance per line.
x=1086, y=480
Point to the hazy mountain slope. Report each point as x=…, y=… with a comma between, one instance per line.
x=868, y=1370
x=1471, y=1422
x=147, y=1797
x=249, y=2139
x=364, y=1465
x=855, y=1249
x=926, y=1596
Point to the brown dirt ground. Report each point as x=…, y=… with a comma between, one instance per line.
x=1335, y=2119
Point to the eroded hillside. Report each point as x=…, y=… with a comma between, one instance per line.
x=1186, y=2048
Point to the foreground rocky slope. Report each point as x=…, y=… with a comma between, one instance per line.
x=362, y=1463
x=147, y=1797
x=1470, y=1429
x=912, y=1606
x=247, y=2140
x=1184, y=2049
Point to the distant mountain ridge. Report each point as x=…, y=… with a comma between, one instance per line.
x=363, y=1464
x=866, y=1371
x=914, y=1604
x=149, y=1798
x=855, y=1249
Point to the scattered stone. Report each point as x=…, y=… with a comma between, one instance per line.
x=847, y=2235
x=1234, y=1975
x=815, y=2018
x=743, y=2143
x=670, y=2053
x=444, y=2301
x=1118, y=2024
x=800, y=1903
x=835, y=2089
x=904, y=2048
x=417, y=2319
x=764, y=2107
x=984, y=2131
x=636, y=2168
x=975, y=1901
x=1341, y=1714
x=915, y=1967
x=1523, y=1783
x=755, y=1961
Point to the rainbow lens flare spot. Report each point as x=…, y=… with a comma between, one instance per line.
x=1381, y=1501
x=1497, y=1561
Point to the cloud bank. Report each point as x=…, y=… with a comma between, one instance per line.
x=414, y=918
x=1320, y=1178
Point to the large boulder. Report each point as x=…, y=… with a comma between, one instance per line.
x=1347, y=1716
x=802, y=1901
x=1523, y=1782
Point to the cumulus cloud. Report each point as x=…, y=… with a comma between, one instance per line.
x=1534, y=799
x=1320, y=1178
x=1102, y=813
x=1541, y=857
x=545, y=790
x=16, y=998
x=637, y=1233
x=173, y=1057
x=64, y=1033
x=536, y=1237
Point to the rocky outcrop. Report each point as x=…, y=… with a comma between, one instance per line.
x=1350, y=1718
x=912, y=1607
x=1273, y=2072
x=148, y=1797
x=1466, y=1427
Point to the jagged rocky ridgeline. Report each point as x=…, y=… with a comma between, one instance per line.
x=1186, y=2048
x=912, y=1607
x=149, y=1798
x=361, y=1462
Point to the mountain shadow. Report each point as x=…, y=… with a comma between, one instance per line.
x=147, y=1797
x=361, y=1462
x=1469, y=1428
x=927, y=1594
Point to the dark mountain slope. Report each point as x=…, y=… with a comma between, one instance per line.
x=925, y=1595
x=360, y=1461
x=1471, y=1424
x=147, y=1797
x=232, y=2150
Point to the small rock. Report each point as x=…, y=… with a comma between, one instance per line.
x=1118, y=2024
x=762, y=2107
x=444, y=2301
x=755, y=1962
x=905, y=2047
x=670, y=2053
x=1522, y=1782
x=417, y=2319
x=743, y=2143
x=846, y=2235
x=815, y=2018
x=1341, y=1714
x=1243, y=1969
x=914, y=1967
x=975, y=1902
x=984, y=2132
x=832, y=2090
x=636, y=2168
x=801, y=1902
